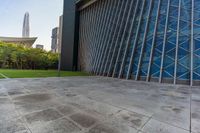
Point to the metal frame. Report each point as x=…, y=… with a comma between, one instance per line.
x=164, y=41
x=88, y=37
x=100, y=44
x=192, y=45
x=123, y=36
x=89, y=33
x=81, y=38
x=112, y=42
x=108, y=37
x=116, y=43
x=103, y=51
x=135, y=41
x=99, y=35
x=144, y=40
x=98, y=30
x=104, y=39
x=153, y=41
x=85, y=16
x=177, y=42
x=129, y=39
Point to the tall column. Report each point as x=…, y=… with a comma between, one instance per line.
x=68, y=59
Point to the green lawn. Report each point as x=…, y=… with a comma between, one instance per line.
x=38, y=73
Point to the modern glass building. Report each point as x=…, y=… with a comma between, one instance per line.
x=149, y=40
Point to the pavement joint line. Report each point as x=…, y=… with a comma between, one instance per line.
x=75, y=123
x=122, y=108
x=150, y=117
x=4, y=76
x=145, y=123
x=37, y=111
x=170, y=124
x=19, y=113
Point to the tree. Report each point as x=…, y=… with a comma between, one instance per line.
x=20, y=57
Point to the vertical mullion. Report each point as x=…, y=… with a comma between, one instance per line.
x=153, y=41
x=80, y=39
x=105, y=36
x=116, y=43
x=177, y=43
x=108, y=37
x=97, y=31
x=94, y=21
x=112, y=42
x=192, y=45
x=85, y=37
x=103, y=28
x=123, y=36
x=90, y=35
x=135, y=40
x=143, y=42
x=128, y=40
x=164, y=42
x=99, y=37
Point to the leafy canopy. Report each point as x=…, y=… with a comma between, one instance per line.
x=19, y=57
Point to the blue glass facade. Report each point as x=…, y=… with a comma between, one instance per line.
x=150, y=40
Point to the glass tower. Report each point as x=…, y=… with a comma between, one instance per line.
x=26, y=26
x=149, y=40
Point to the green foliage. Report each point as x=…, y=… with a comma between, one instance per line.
x=19, y=57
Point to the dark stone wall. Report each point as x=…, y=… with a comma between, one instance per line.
x=69, y=48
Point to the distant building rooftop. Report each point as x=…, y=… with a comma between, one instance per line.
x=26, y=41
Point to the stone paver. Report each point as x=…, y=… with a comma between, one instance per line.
x=97, y=105
x=195, y=111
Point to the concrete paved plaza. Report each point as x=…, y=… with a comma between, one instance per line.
x=97, y=105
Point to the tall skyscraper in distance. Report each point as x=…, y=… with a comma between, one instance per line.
x=54, y=40
x=57, y=37
x=25, y=40
x=26, y=26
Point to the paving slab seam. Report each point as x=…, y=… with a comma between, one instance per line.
x=40, y=110
x=66, y=117
x=68, y=114
x=145, y=123
x=29, y=93
x=150, y=117
x=116, y=112
x=119, y=107
x=63, y=117
x=79, y=111
x=25, y=88
x=138, y=113
x=19, y=113
x=170, y=124
x=107, y=120
x=88, y=129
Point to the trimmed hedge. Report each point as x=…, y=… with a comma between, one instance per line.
x=14, y=56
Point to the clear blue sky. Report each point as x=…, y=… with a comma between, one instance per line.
x=44, y=15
